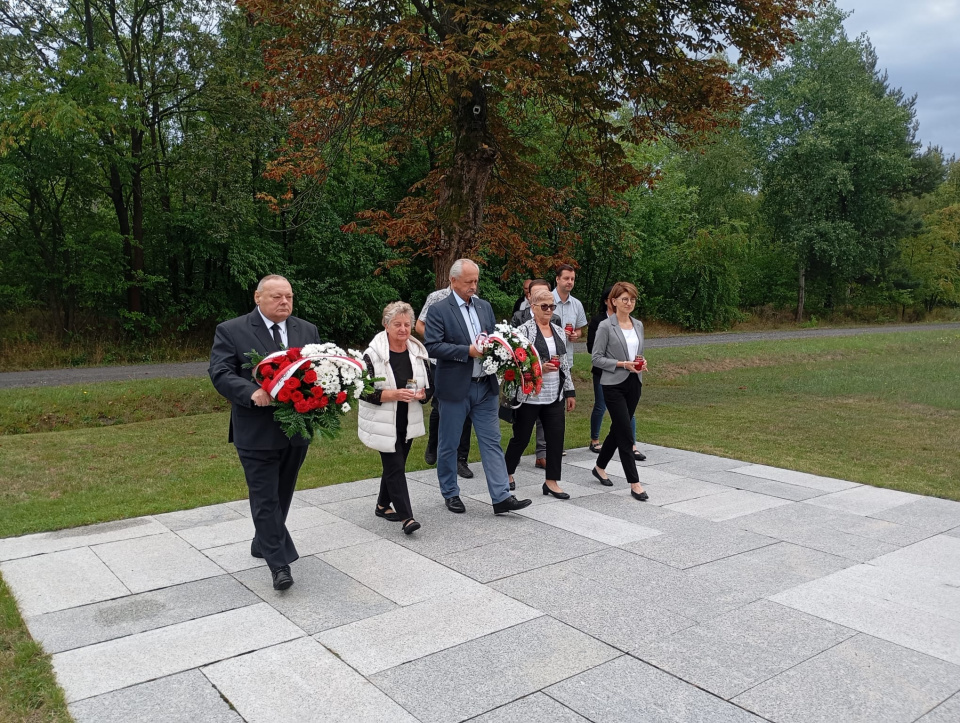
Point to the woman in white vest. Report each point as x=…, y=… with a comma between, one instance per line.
x=391, y=416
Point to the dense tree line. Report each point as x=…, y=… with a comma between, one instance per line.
x=158, y=156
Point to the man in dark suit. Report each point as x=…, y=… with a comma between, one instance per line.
x=270, y=460
x=465, y=389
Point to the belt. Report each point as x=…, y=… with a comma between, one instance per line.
x=480, y=379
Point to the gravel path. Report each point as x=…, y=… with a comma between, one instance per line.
x=92, y=375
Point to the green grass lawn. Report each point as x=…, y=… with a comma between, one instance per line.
x=879, y=409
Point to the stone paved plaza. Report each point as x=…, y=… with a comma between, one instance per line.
x=738, y=593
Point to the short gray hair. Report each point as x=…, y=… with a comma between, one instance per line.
x=541, y=295
x=395, y=309
x=271, y=277
x=457, y=267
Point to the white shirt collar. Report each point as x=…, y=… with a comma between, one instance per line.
x=269, y=324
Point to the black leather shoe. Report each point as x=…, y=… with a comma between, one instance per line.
x=455, y=504
x=463, y=469
x=430, y=457
x=642, y=496
x=638, y=455
x=255, y=549
x=605, y=481
x=558, y=495
x=282, y=579
x=386, y=513
x=511, y=504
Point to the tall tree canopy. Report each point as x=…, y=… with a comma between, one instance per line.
x=467, y=79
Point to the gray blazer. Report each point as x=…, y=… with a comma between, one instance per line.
x=610, y=347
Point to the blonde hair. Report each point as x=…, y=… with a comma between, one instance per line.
x=395, y=309
x=541, y=295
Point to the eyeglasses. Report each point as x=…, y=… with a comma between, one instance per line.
x=627, y=300
x=547, y=307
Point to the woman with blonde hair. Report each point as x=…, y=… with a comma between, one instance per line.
x=391, y=416
x=618, y=353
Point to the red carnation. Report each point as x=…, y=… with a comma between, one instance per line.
x=283, y=395
x=341, y=397
x=521, y=355
x=267, y=371
x=314, y=402
x=324, y=400
x=293, y=354
x=509, y=375
x=310, y=376
x=527, y=388
x=296, y=397
x=291, y=383
x=536, y=368
x=303, y=406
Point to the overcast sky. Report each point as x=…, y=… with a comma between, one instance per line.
x=918, y=44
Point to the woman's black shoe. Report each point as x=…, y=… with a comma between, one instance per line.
x=410, y=526
x=605, y=481
x=513, y=485
x=595, y=448
x=558, y=495
x=387, y=514
x=642, y=496
x=638, y=455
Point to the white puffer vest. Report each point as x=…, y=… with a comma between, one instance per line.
x=376, y=424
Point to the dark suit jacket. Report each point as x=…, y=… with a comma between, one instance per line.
x=448, y=341
x=251, y=427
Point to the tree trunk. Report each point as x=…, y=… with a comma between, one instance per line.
x=463, y=188
x=135, y=291
x=801, y=291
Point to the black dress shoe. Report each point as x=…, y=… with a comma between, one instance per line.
x=455, y=504
x=430, y=457
x=463, y=469
x=642, y=496
x=605, y=481
x=511, y=504
x=282, y=579
x=638, y=455
x=558, y=495
x=255, y=549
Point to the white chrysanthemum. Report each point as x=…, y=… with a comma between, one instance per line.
x=345, y=407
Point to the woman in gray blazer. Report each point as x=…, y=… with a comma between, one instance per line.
x=618, y=353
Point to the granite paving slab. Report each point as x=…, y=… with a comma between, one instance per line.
x=344, y=491
x=43, y=543
x=60, y=580
x=862, y=679
x=157, y=561
x=183, y=698
x=117, y=618
x=301, y=681
x=198, y=516
x=384, y=641
x=586, y=523
x=930, y=514
x=696, y=545
x=101, y=668
x=491, y=671
x=794, y=493
x=801, y=479
x=226, y=533
x=731, y=654
x=727, y=505
x=935, y=557
x=322, y=598
x=668, y=492
x=628, y=690
x=536, y=707
x=647, y=474
x=946, y=712
x=864, y=500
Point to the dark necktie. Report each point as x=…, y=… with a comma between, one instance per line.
x=276, y=336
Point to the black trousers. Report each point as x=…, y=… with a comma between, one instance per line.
x=271, y=479
x=393, y=481
x=552, y=416
x=621, y=402
x=433, y=436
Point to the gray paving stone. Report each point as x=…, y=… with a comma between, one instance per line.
x=697, y=468
x=864, y=500
x=628, y=509
x=322, y=598
x=338, y=492
x=930, y=514
x=647, y=474
x=728, y=655
x=491, y=671
x=43, y=543
x=385, y=641
x=955, y=532
x=862, y=679
x=946, y=712
x=148, y=563
x=309, y=541
x=243, y=506
x=914, y=611
x=605, y=612
x=197, y=517
x=184, y=698
x=768, y=570
x=590, y=524
x=227, y=533
x=301, y=681
x=698, y=545
x=727, y=505
x=801, y=479
x=104, y=667
x=628, y=690
x=668, y=492
x=937, y=558
x=541, y=547
x=95, y=623
x=397, y=573
x=785, y=491
x=60, y=580
x=536, y=707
